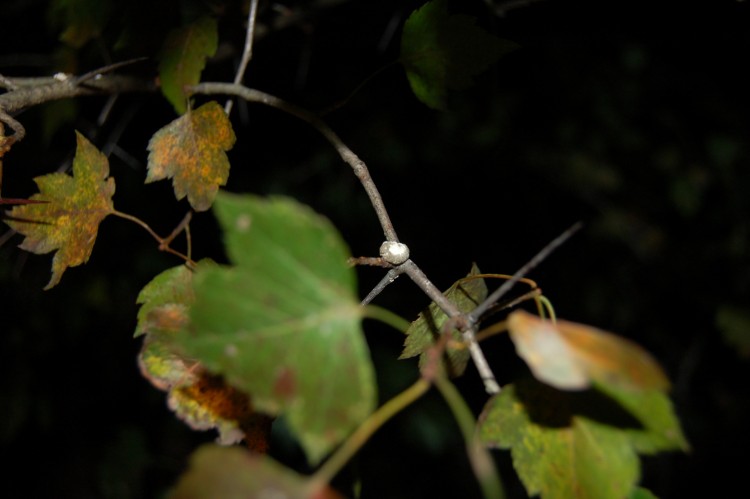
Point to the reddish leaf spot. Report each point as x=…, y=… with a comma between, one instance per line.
x=285, y=385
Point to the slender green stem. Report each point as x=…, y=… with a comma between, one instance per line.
x=479, y=457
x=387, y=317
x=548, y=305
x=357, y=439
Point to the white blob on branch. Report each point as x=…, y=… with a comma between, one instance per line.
x=394, y=253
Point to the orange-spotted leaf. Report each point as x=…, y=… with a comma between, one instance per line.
x=68, y=219
x=572, y=356
x=284, y=314
x=202, y=400
x=191, y=151
x=233, y=472
x=183, y=58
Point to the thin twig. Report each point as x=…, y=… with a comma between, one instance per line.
x=389, y=277
x=475, y=314
x=358, y=166
x=491, y=385
x=247, y=52
x=180, y=227
x=370, y=261
x=162, y=246
x=63, y=88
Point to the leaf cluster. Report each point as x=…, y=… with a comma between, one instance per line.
x=276, y=333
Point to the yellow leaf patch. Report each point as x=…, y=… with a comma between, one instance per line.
x=68, y=219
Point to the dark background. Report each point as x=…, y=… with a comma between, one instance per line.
x=631, y=116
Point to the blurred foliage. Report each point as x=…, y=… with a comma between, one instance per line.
x=635, y=122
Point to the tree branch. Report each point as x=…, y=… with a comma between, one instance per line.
x=346, y=154
x=475, y=314
x=247, y=51
x=25, y=93
x=467, y=328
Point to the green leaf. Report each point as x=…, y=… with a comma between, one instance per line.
x=560, y=446
x=82, y=20
x=641, y=493
x=659, y=428
x=572, y=356
x=229, y=473
x=734, y=323
x=68, y=221
x=202, y=400
x=191, y=151
x=579, y=444
x=183, y=58
x=165, y=301
x=466, y=293
x=441, y=51
x=284, y=324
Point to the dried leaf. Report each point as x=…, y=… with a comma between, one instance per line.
x=68, y=220
x=571, y=356
x=191, y=151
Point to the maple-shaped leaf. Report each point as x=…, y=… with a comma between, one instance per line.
x=201, y=399
x=191, y=151
x=183, y=57
x=572, y=356
x=284, y=323
x=440, y=51
x=466, y=294
x=231, y=472
x=569, y=445
x=73, y=208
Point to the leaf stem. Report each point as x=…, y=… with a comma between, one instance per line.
x=479, y=457
x=163, y=242
x=343, y=454
x=387, y=317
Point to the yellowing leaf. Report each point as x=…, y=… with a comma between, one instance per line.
x=75, y=206
x=578, y=444
x=559, y=450
x=183, y=58
x=284, y=323
x=571, y=356
x=191, y=151
x=202, y=400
